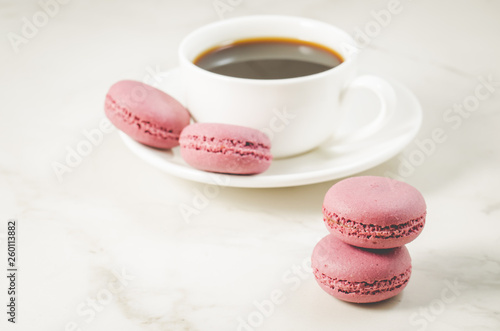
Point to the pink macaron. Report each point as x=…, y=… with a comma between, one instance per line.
x=225, y=148
x=146, y=114
x=357, y=274
x=374, y=212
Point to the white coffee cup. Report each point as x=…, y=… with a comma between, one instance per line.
x=298, y=114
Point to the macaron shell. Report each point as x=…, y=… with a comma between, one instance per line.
x=375, y=200
x=227, y=131
x=374, y=212
x=363, y=275
x=146, y=114
x=375, y=239
x=225, y=148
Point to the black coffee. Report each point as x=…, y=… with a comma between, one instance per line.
x=268, y=58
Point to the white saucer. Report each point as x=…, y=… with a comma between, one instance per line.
x=332, y=160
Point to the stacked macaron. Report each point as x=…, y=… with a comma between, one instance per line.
x=370, y=219
x=156, y=119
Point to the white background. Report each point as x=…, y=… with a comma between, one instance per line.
x=115, y=214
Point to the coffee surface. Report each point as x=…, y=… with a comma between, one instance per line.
x=268, y=58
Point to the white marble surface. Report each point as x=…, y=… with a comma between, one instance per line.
x=106, y=248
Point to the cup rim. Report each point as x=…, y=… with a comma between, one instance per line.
x=184, y=61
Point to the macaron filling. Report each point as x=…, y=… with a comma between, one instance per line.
x=363, y=288
x=366, y=231
x=145, y=126
x=226, y=146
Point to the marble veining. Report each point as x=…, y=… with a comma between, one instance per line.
x=105, y=245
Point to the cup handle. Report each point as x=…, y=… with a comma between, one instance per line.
x=385, y=93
